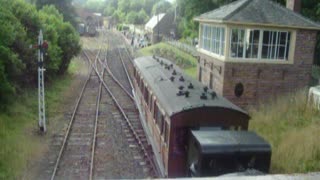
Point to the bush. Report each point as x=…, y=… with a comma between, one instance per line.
x=20, y=23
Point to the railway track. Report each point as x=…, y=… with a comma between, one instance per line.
x=74, y=159
x=131, y=126
x=104, y=138
x=118, y=86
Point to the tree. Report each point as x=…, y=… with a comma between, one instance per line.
x=119, y=16
x=64, y=6
x=94, y=5
x=63, y=40
x=148, y=5
x=162, y=6
x=143, y=17
x=20, y=23
x=124, y=6
x=109, y=10
x=136, y=5
x=132, y=17
x=8, y=59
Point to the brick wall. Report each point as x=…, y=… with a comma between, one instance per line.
x=212, y=66
x=262, y=81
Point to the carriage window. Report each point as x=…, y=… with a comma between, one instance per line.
x=155, y=110
x=150, y=102
x=141, y=85
x=161, y=125
x=159, y=117
x=138, y=80
x=166, y=132
x=152, y=105
x=146, y=94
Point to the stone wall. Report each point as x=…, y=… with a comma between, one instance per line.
x=263, y=81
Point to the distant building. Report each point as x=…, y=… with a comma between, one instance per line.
x=161, y=25
x=253, y=50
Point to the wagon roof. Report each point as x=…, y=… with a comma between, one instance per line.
x=217, y=142
x=158, y=80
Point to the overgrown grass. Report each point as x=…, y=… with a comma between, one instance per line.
x=293, y=129
x=19, y=139
x=187, y=62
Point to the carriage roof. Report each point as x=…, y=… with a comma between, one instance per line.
x=157, y=72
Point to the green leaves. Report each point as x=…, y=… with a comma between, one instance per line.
x=20, y=23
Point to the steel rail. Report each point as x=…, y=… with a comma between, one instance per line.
x=95, y=130
x=107, y=67
x=96, y=121
x=69, y=127
x=125, y=69
x=146, y=154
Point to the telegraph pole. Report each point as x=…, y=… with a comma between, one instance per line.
x=42, y=46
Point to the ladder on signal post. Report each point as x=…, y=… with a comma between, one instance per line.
x=42, y=46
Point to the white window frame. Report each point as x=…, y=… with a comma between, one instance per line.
x=275, y=46
x=213, y=39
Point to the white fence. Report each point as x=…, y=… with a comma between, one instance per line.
x=184, y=47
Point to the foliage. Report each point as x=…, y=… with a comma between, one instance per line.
x=132, y=17
x=137, y=17
x=143, y=17
x=182, y=59
x=20, y=23
x=64, y=6
x=64, y=41
x=291, y=125
x=94, y=5
x=109, y=10
x=133, y=11
x=162, y=6
x=18, y=145
x=188, y=9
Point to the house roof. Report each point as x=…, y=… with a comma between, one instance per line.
x=258, y=12
x=157, y=73
x=152, y=23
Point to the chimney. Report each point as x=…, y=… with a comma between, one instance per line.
x=294, y=5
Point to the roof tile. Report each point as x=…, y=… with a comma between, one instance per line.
x=260, y=12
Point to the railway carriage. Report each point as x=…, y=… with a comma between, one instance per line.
x=190, y=127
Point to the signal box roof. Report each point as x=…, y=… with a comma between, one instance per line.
x=229, y=142
x=170, y=85
x=258, y=12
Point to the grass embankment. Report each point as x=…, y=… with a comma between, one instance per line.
x=187, y=62
x=293, y=129
x=19, y=139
